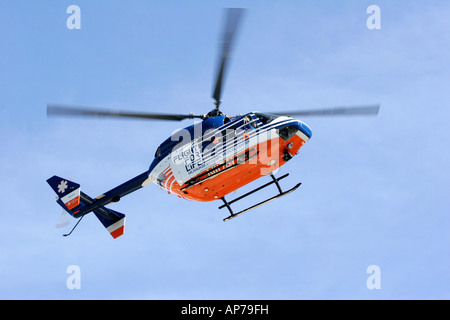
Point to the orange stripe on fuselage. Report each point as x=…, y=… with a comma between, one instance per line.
x=230, y=180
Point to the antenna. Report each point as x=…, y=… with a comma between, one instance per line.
x=68, y=234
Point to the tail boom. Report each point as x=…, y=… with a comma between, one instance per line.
x=78, y=204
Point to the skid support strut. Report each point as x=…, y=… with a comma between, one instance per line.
x=227, y=204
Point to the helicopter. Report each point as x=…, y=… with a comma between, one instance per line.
x=208, y=160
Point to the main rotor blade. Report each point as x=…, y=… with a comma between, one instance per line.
x=63, y=110
x=368, y=110
x=233, y=18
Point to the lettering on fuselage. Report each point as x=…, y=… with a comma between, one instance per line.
x=190, y=156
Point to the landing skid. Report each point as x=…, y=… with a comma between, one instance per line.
x=279, y=195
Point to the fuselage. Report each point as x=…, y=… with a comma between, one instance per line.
x=208, y=160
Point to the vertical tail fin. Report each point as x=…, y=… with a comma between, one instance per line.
x=68, y=193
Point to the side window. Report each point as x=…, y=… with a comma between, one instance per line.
x=287, y=132
x=250, y=123
x=265, y=118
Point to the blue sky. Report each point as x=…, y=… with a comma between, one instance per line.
x=374, y=192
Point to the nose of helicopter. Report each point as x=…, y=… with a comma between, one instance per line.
x=287, y=131
x=303, y=127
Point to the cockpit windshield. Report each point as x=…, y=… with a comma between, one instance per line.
x=265, y=118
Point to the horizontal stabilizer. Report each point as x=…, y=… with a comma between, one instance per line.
x=112, y=220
